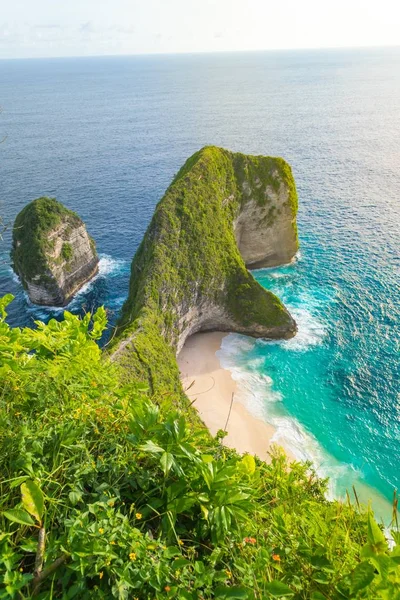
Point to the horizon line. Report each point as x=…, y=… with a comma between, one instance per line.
x=201, y=52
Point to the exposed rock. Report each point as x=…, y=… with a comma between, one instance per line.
x=223, y=211
x=52, y=252
x=265, y=234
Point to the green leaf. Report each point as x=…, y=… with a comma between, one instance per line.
x=32, y=499
x=375, y=535
x=18, y=481
x=4, y=301
x=362, y=576
x=248, y=464
x=179, y=563
x=166, y=462
x=318, y=596
x=383, y=564
x=279, y=589
x=172, y=551
x=17, y=515
x=199, y=567
x=74, y=497
x=151, y=447
x=321, y=562
x=207, y=458
x=29, y=545
x=321, y=577
x=185, y=595
x=204, y=510
x=238, y=592
x=99, y=323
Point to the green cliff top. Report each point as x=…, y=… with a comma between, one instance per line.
x=30, y=239
x=189, y=257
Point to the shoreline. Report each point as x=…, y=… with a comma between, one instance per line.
x=211, y=389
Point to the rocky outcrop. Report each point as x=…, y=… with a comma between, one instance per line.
x=52, y=252
x=223, y=211
x=266, y=234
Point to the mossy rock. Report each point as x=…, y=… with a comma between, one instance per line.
x=30, y=235
x=52, y=252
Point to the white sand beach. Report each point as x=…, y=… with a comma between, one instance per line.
x=210, y=387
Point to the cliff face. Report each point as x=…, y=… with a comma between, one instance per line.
x=52, y=252
x=221, y=212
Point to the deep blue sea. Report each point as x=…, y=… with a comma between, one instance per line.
x=106, y=135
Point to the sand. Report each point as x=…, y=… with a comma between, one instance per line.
x=210, y=387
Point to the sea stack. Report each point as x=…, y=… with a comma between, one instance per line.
x=223, y=213
x=52, y=252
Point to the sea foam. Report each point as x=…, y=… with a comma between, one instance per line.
x=109, y=267
x=255, y=390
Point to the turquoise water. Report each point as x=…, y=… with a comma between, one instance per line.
x=106, y=136
x=330, y=391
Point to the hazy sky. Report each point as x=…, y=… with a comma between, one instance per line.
x=33, y=28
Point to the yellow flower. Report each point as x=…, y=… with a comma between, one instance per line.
x=101, y=530
x=138, y=515
x=112, y=543
x=180, y=542
x=132, y=556
x=228, y=573
x=101, y=574
x=21, y=569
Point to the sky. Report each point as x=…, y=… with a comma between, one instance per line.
x=46, y=28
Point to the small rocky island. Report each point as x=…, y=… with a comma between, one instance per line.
x=52, y=252
x=224, y=213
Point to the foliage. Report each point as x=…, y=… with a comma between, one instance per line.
x=189, y=257
x=66, y=251
x=132, y=498
x=30, y=235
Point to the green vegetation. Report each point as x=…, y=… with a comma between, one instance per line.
x=30, y=235
x=66, y=251
x=263, y=172
x=110, y=485
x=108, y=492
x=189, y=257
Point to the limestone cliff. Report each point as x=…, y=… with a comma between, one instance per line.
x=223, y=211
x=52, y=252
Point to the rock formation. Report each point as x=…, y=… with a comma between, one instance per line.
x=223, y=211
x=52, y=252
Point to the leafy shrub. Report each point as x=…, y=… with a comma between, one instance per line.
x=66, y=251
x=107, y=492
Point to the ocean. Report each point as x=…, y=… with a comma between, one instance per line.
x=105, y=136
